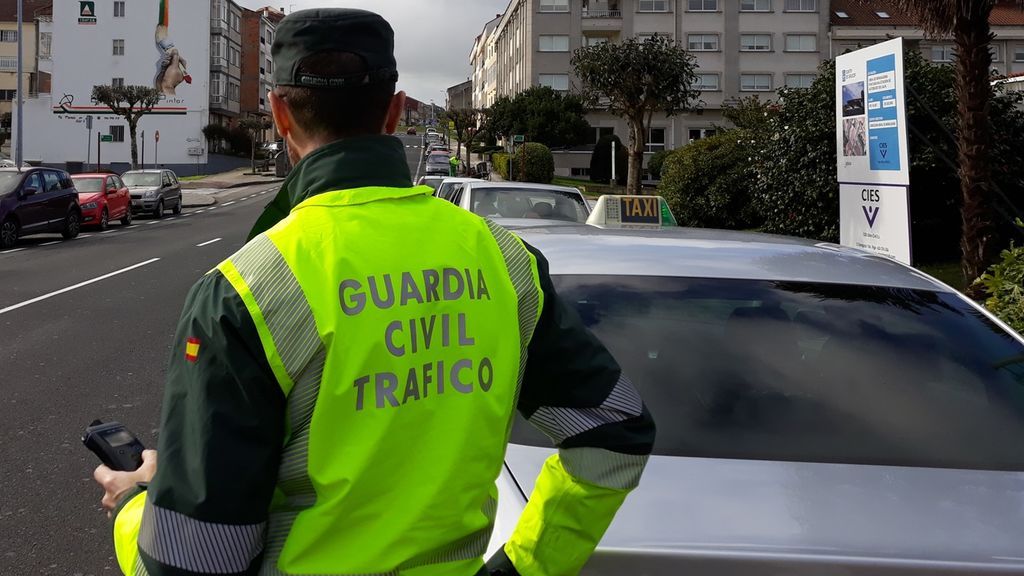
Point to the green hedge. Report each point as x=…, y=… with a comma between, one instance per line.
x=656, y=163
x=533, y=162
x=1004, y=283
x=499, y=160
x=708, y=182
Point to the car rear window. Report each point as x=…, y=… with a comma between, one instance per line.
x=89, y=184
x=810, y=372
x=528, y=203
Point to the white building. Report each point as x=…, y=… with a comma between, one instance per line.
x=484, y=60
x=117, y=42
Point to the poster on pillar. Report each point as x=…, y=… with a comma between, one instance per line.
x=875, y=218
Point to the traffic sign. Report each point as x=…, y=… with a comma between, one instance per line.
x=157, y=136
x=106, y=138
x=88, y=122
x=519, y=138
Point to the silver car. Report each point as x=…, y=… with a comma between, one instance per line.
x=513, y=203
x=153, y=191
x=820, y=410
x=449, y=186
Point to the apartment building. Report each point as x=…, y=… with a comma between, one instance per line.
x=855, y=25
x=258, y=28
x=460, y=96
x=225, y=61
x=742, y=48
x=483, y=59
x=31, y=11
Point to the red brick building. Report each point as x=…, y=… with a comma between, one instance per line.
x=258, y=28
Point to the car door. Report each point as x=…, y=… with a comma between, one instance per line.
x=117, y=197
x=55, y=202
x=165, y=189
x=30, y=211
x=175, y=185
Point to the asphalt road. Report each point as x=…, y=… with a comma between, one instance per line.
x=87, y=327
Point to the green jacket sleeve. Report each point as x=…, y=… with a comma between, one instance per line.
x=575, y=392
x=220, y=443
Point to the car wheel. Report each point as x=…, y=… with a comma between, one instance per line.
x=177, y=207
x=159, y=211
x=8, y=233
x=72, y=225
x=104, y=220
x=126, y=220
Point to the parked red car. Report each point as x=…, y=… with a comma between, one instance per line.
x=103, y=197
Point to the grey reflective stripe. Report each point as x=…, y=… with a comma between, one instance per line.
x=177, y=540
x=292, y=327
x=603, y=467
x=521, y=267
x=287, y=315
x=560, y=423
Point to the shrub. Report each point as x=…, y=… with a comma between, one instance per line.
x=1004, y=284
x=601, y=161
x=654, y=165
x=240, y=140
x=533, y=162
x=708, y=182
x=500, y=162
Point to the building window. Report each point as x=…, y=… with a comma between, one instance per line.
x=594, y=40
x=601, y=132
x=755, y=5
x=118, y=47
x=702, y=5
x=699, y=133
x=558, y=82
x=217, y=85
x=554, y=5
x=9, y=63
x=842, y=14
x=755, y=42
x=655, y=140
x=702, y=42
x=8, y=35
x=235, y=56
x=943, y=53
x=117, y=82
x=801, y=5
x=270, y=37
x=235, y=21
x=6, y=95
x=233, y=92
x=997, y=52
x=653, y=6
x=118, y=9
x=1018, y=54
x=554, y=43
x=263, y=39
x=269, y=66
x=576, y=172
x=801, y=43
x=117, y=133
x=707, y=83
x=799, y=80
x=45, y=41
x=755, y=82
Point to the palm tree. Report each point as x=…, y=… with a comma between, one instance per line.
x=967, y=22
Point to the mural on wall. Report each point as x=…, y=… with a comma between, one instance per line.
x=171, y=68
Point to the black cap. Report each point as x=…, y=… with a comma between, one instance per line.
x=308, y=32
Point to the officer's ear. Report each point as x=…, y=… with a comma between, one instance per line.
x=395, y=113
x=282, y=115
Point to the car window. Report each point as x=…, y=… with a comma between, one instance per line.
x=34, y=181
x=51, y=181
x=173, y=177
x=65, y=181
x=89, y=184
x=166, y=179
x=809, y=372
x=456, y=196
x=528, y=203
x=116, y=180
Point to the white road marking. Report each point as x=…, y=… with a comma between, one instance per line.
x=186, y=215
x=153, y=222
x=83, y=236
x=208, y=242
x=108, y=231
x=230, y=203
x=132, y=226
x=51, y=243
x=212, y=208
x=76, y=286
x=12, y=251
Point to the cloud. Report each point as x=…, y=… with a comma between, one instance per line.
x=433, y=39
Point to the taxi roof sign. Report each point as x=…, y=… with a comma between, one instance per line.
x=631, y=212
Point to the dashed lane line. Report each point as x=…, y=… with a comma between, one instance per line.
x=75, y=287
x=208, y=242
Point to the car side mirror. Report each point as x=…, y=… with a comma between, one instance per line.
x=111, y=191
x=28, y=191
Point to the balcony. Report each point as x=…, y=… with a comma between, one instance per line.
x=602, y=18
x=588, y=14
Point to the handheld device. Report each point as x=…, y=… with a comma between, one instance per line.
x=114, y=444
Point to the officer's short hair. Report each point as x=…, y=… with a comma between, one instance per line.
x=337, y=113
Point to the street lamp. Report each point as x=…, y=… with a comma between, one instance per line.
x=18, y=93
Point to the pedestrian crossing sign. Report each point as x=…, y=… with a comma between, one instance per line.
x=86, y=12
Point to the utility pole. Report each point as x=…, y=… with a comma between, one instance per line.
x=19, y=92
x=143, y=149
x=614, y=179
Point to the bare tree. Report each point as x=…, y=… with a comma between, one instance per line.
x=131, y=103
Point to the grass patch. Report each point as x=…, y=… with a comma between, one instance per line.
x=948, y=272
x=591, y=189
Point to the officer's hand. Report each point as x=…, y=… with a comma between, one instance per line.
x=500, y=565
x=117, y=484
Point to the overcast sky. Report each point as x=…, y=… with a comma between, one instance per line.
x=433, y=38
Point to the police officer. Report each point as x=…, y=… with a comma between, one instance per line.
x=453, y=165
x=341, y=389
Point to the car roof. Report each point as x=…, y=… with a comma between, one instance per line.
x=148, y=171
x=708, y=253
x=482, y=184
x=445, y=179
x=93, y=175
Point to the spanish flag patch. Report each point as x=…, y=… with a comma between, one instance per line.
x=192, y=350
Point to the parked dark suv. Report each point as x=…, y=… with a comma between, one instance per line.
x=37, y=200
x=153, y=191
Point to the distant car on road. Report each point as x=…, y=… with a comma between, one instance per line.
x=432, y=181
x=411, y=131
x=820, y=410
x=436, y=147
x=154, y=191
x=450, y=186
x=103, y=197
x=437, y=163
x=522, y=200
x=36, y=201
